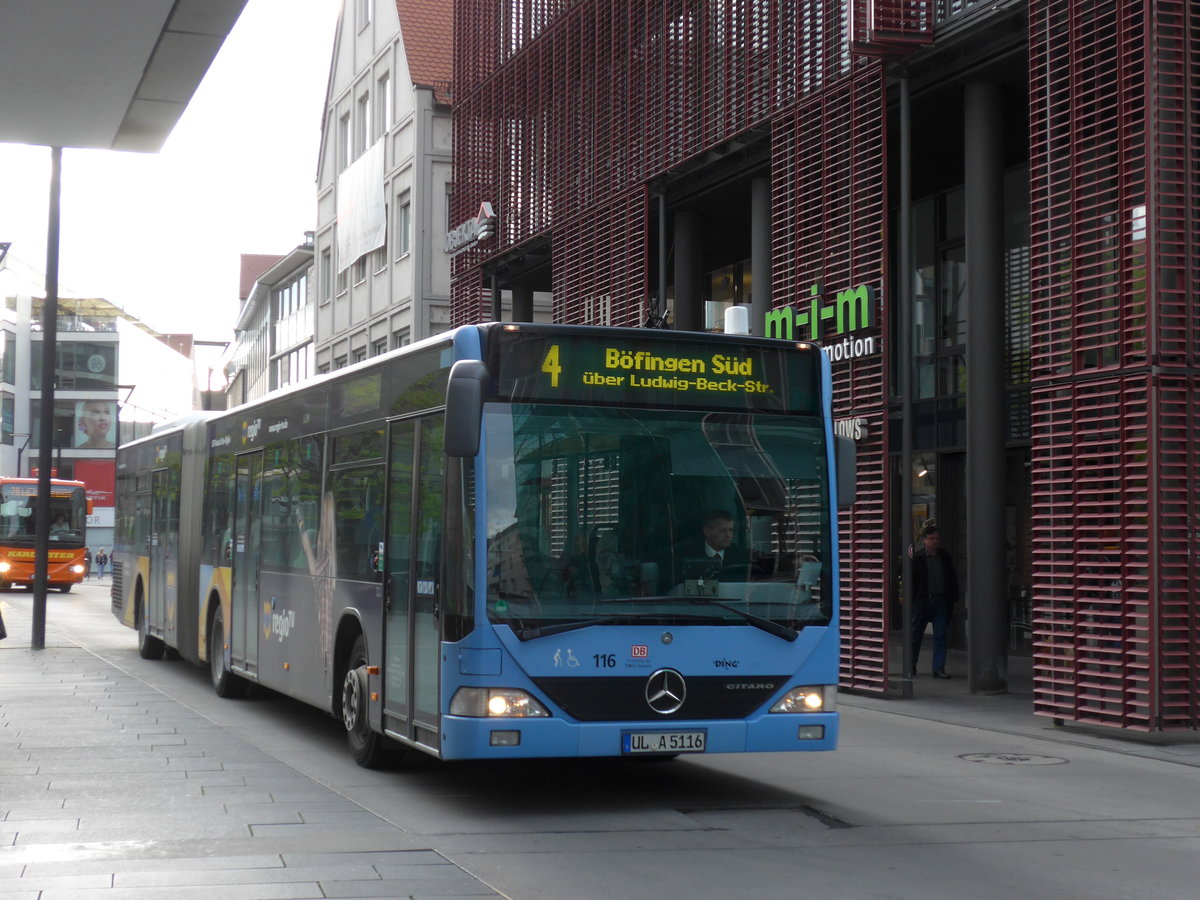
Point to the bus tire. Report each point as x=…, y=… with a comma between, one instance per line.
x=225, y=683
x=65, y=588
x=366, y=746
x=6, y=586
x=149, y=646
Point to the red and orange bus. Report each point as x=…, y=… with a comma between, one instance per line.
x=18, y=531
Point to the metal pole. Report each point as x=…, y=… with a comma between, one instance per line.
x=662, y=257
x=987, y=619
x=37, y=639
x=689, y=307
x=760, y=254
x=905, y=300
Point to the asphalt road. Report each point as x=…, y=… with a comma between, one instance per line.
x=906, y=807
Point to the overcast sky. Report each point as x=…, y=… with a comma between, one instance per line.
x=161, y=234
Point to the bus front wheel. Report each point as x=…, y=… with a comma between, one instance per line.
x=366, y=746
x=224, y=682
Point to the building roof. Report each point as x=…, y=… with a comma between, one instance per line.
x=427, y=29
x=180, y=343
x=253, y=265
x=114, y=76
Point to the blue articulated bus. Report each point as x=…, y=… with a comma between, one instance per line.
x=510, y=541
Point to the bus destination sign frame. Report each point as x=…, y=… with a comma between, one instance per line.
x=670, y=372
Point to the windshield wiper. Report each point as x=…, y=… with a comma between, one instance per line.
x=780, y=631
x=537, y=631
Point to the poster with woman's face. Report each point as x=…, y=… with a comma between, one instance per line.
x=95, y=425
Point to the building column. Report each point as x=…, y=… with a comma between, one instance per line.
x=689, y=309
x=522, y=303
x=987, y=624
x=760, y=254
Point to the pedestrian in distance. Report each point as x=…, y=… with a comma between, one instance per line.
x=87, y=563
x=935, y=592
x=101, y=562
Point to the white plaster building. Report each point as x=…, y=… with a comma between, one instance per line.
x=383, y=181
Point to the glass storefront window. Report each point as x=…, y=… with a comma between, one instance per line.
x=81, y=365
x=727, y=286
x=78, y=424
x=8, y=365
x=952, y=331
x=7, y=412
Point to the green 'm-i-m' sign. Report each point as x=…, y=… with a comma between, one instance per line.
x=830, y=324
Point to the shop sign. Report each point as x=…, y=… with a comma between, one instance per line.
x=830, y=324
x=855, y=429
x=479, y=228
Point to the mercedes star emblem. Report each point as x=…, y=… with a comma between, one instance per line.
x=665, y=691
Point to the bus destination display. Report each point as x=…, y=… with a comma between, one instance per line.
x=672, y=373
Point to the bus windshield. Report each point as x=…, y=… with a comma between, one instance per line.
x=602, y=515
x=18, y=513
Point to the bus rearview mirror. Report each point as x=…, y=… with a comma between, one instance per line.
x=464, y=407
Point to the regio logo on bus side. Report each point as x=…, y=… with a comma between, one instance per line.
x=279, y=624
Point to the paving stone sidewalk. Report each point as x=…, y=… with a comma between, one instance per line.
x=109, y=789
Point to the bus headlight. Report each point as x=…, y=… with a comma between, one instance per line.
x=495, y=703
x=807, y=699
x=5, y=565
x=77, y=569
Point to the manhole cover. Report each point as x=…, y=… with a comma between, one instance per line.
x=1013, y=759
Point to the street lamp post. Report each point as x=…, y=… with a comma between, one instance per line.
x=37, y=640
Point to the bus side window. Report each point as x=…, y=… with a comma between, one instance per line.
x=358, y=497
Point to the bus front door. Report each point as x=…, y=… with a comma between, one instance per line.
x=247, y=533
x=160, y=604
x=412, y=640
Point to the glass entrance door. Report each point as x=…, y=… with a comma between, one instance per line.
x=247, y=534
x=413, y=617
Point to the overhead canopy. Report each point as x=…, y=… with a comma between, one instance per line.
x=115, y=75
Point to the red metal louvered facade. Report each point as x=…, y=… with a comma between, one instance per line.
x=570, y=113
x=567, y=112
x=1115, y=153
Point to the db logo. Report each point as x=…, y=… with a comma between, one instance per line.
x=639, y=651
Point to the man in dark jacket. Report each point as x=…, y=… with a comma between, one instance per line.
x=713, y=551
x=935, y=591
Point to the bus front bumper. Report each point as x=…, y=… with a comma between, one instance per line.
x=499, y=738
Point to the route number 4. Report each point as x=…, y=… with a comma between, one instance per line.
x=550, y=365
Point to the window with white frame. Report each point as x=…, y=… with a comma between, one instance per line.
x=360, y=268
x=343, y=280
x=364, y=13
x=326, y=275
x=403, y=225
x=400, y=338
x=383, y=103
x=362, y=131
x=343, y=150
x=379, y=347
